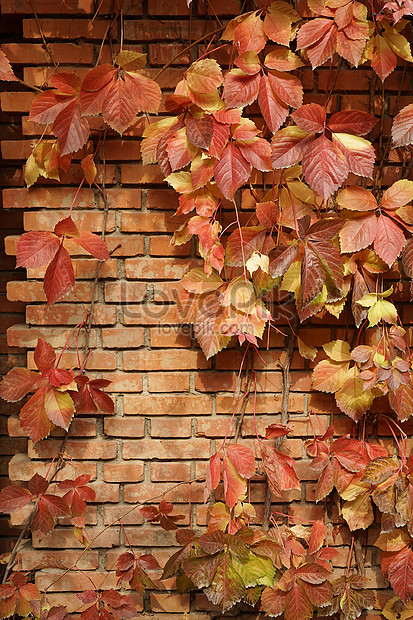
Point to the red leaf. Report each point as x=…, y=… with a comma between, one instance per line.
x=310, y=117
x=14, y=498
x=47, y=106
x=383, y=59
x=219, y=138
x=324, y=167
x=287, y=87
x=312, y=31
x=257, y=152
x=38, y=485
x=389, y=240
x=6, y=72
x=89, y=168
x=242, y=243
x=119, y=107
x=279, y=469
x=402, y=129
x=359, y=153
x=359, y=233
x=272, y=109
x=65, y=82
x=98, y=77
x=213, y=475
x=59, y=278
x=17, y=383
x=36, y=249
x=59, y=407
x=352, y=121
x=200, y=130
x=297, y=604
x=288, y=146
x=231, y=171
x=312, y=573
x=400, y=574
x=146, y=93
x=234, y=485
x=318, y=536
x=71, y=129
x=33, y=417
x=148, y=562
x=240, y=89
x=87, y=596
x=93, y=244
x=44, y=355
x=267, y=213
x=66, y=228
x=243, y=459
x=273, y=602
x=249, y=35
x=277, y=430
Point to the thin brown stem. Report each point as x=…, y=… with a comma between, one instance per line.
x=188, y=47
x=286, y=387
x=46, y=45
x=121, y=518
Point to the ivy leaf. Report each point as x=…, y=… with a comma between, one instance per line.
x=273, y=110
x=241, y=89
x=17, y=384
x=231, y=171
x=93, y=244
x=310, y=118
x=325, y=167
x=36, y=249
x=204, y=76
x=77, y=494
x=400, y=574
x=59, y=278
x=71, y=129
x=33, y=418
x=279, y=469
x=14, y=498
x=226, y=588
x=6, y=72
x=402, y=128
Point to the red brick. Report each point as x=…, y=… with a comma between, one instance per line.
x=69, y=314
x=66, y=28
x=142, y=175
x=122, y=291
x=35, y=54
x=165, y=449
x=157, y=269
x=161, y=246
x=168, y=382
x=78, y=449
x=123, y=472
x=170, y=472
x=167, y=427
x=84, y=220
x=167, y=405
x=46, y=6
x=124, y=427
x=164, y=360
x=122, y=337
x=178, y=337
x=25, y=336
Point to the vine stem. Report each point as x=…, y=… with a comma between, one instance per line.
x=188, y=47
x=117, y=520
x=289, y=350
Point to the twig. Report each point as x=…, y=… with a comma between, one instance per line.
x=289, y=350
x=118, y=519
x=188, y=47
x=46, y=45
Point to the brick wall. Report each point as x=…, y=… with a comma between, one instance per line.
x=172, y=406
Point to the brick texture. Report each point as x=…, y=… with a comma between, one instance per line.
x=172, y=406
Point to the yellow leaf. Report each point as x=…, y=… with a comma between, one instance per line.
x=31, y=171
x=131, y=61
x=338, y=350
x=306, y=351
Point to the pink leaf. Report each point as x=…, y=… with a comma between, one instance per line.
x=36, y=249
x=231, y=171
x=59, y=278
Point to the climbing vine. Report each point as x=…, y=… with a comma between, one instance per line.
x=328, y=229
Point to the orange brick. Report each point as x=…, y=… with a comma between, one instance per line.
x=123, y=472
